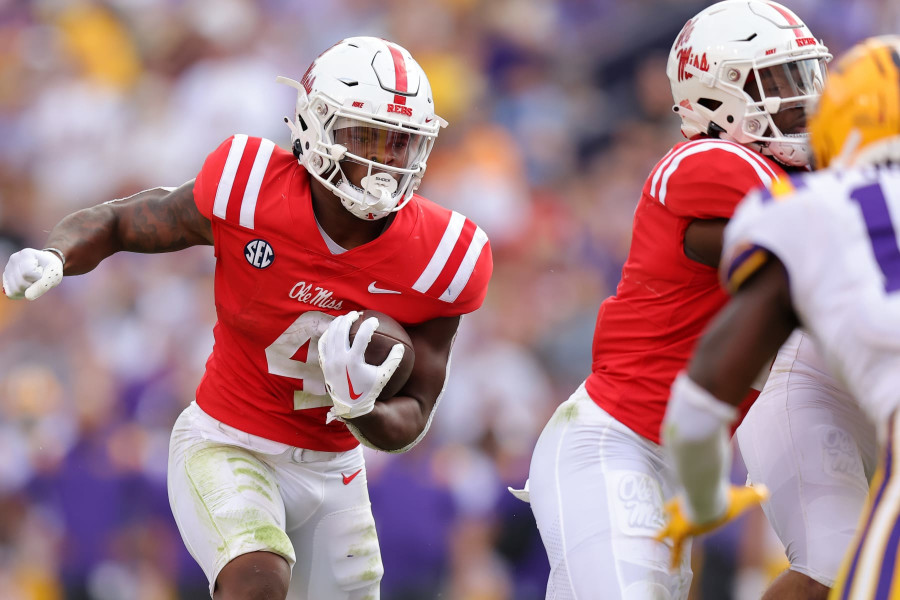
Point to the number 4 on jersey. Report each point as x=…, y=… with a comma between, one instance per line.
x=306, y=330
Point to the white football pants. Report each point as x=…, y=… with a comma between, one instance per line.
x=597, y=491
x=814, y=448
x=234, y=493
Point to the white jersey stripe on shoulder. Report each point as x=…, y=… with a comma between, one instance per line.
x=458, y=284
x=759, y=160
x=707, y=144
x=441, y=254
x=764, y=174
x=665, y=163
x=227, y=180
x=254, y=182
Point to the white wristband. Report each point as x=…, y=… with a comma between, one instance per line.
x=57, y=252
x=696, y=432
x=685, y=390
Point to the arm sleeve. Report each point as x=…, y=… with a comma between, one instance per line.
x=763, y=225
x=696, y=433
x=711, y=183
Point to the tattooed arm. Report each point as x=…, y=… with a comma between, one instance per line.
x=157, y=220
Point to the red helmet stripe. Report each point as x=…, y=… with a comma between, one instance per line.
x=791, y=19
x=399, y=74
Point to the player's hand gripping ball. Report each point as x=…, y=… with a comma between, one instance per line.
x=388, y=333
x=364, y=357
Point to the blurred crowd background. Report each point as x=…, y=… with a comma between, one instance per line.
x=557, y=109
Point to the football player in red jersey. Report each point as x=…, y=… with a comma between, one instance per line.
x=741, y=73
x=265, y=467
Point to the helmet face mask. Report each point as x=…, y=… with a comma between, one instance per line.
x=365, y=124
x=776, y=113
x=744, y=70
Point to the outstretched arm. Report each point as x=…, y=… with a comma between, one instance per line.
x=397, y=423
x=157, y=220
x=736, y=346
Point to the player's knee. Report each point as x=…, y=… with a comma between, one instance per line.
x=793, y=584
x=254, y=576
x=352, y=549
x=813, y=590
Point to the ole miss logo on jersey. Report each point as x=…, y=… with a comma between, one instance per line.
x=259, y=253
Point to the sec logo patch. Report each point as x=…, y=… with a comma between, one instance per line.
x=259, y=254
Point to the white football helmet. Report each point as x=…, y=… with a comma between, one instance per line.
x=744, y=70
x=365, y=101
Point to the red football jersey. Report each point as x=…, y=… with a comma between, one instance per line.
x=277, y=286
x=646, y=333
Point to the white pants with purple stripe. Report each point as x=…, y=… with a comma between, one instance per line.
x=870, y=568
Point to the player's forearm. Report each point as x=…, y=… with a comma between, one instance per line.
x=393, y=424
x=155, y=220
x=696, y=433
x=745, y=335
x=85, y=238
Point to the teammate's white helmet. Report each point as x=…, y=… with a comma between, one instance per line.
x=367, y=101
x=743, y=70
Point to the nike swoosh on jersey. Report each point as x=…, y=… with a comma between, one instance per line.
x=374, y=289
x=353, y=395
x=348, y=479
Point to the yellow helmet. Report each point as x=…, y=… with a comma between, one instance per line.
x=857, y=119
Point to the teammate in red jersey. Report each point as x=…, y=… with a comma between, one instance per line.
x=741, y=73
x=265, y=467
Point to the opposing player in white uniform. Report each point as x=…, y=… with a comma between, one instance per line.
x=820, y=251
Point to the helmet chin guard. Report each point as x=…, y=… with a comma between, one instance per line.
x=377, y=198
x=365, y=102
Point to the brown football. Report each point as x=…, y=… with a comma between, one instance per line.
x=389, y=332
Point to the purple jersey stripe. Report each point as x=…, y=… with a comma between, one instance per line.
x=765, y=195
x=888, y=460
x=886, y=579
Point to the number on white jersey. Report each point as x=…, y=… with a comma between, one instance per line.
x=882, y=234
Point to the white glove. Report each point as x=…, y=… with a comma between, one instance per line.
x=352, y=383
x=30, y=273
